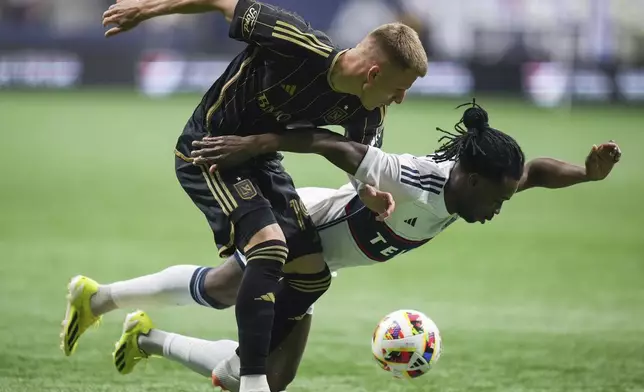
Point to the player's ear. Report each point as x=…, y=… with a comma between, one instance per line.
x=373, y=72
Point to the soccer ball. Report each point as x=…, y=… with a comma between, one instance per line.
x=406, y=343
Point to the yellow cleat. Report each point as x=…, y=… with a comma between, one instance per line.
x=78, y=316
x=127, y=352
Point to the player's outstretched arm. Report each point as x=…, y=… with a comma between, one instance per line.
x=225, y=151
x=553, y=173
x=127, y=14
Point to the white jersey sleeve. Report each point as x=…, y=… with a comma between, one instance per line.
x=405, y=176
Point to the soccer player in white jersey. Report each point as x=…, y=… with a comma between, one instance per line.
x=470, y=177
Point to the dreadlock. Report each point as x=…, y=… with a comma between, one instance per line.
x=480, y=148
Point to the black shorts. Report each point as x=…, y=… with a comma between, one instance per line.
x=240, y=201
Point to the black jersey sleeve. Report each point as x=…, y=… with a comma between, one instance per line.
x=279, y=30
x=369, y=130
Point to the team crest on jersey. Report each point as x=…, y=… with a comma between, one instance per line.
x=335, y=115
x=250, y=19
x=245, y=189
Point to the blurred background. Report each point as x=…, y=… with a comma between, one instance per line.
x=547, y=50
x=547, y=297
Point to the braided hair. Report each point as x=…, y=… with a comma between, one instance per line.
x=480, y=148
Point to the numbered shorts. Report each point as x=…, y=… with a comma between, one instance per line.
x=234, y=202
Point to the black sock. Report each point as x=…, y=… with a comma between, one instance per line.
x=255, y=304
x=298, y=292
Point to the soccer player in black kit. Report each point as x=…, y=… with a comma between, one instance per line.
x=288, y=76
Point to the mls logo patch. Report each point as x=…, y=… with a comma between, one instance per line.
x=245, y=189
x=335, y=115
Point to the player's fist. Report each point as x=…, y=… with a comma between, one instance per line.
x=382, y=203
x=124, y=14
x=601, y=159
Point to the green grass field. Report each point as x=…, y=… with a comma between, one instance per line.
x=548, y=297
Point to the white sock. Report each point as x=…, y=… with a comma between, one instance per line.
x=201, y=356
x=168, y=287
x=254, y=383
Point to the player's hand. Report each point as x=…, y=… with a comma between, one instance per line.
x=125, y=15
x=223, y=151
x=601, y=159
x=382, y=203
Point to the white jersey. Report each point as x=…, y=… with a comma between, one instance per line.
x=351, y=235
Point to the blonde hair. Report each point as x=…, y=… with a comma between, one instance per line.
x=402, y=47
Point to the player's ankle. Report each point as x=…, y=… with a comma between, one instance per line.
x=101, y=302
x=253, y=382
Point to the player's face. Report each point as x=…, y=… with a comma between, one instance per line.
x=484, y=198
x=386, y=85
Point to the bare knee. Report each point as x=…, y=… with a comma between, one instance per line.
x=272, y=232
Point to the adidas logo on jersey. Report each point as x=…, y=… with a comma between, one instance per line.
x=289, y=88
x=411, y=222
